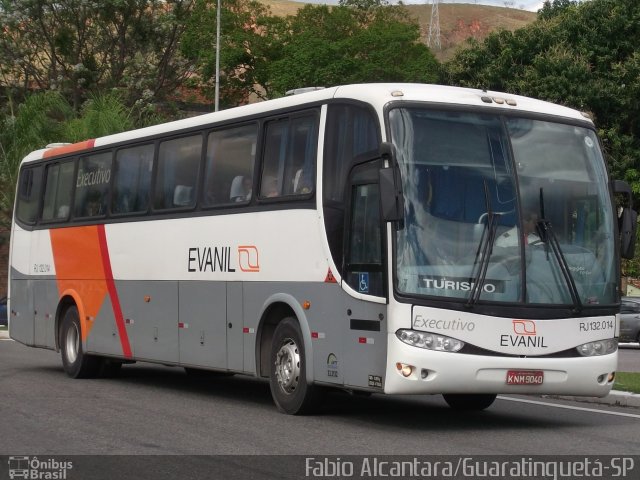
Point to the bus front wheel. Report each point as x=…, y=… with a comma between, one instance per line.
x=76, y=363
x=288, y=380
x=459, y=401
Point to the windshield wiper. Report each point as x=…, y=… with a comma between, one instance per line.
x=548, y=236
x=485, y=248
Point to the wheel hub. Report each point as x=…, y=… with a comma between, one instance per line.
x=72, y=343
x=287, y=366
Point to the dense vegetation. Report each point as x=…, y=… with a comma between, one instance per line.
x=71, y=69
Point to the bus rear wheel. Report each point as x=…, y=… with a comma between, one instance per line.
x=76, y=363
x=469, y=402
x=288, y=380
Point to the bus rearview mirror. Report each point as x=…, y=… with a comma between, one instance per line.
x=627, y=220
x=391, y=204
x=391, y=200
x=628, y=227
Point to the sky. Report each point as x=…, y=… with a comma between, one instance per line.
x=531, y=5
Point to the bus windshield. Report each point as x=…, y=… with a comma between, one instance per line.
x=502, y=209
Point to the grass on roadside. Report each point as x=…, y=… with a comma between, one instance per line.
x=627, y=382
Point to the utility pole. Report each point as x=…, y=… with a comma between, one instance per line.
x=434, y=26
x=217, y=90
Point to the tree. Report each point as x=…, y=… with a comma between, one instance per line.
x=244, y=48
x=264, y=56
x=355, y=42
x=101, y=115
x=551, y=8
x=80, y=46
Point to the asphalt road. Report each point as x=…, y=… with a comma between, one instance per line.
x=158, y=410
x=629, y=357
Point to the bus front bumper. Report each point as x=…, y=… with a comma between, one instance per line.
x=431, y=372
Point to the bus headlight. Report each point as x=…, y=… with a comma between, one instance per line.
x=430, y=341
x=601, y=347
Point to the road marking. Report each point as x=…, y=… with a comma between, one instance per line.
x=569, y=407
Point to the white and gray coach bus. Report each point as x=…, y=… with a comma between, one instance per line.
x=400, y=239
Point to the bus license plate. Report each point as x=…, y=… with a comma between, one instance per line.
x=525, y=377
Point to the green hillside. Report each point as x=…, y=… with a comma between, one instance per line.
x=457, y=21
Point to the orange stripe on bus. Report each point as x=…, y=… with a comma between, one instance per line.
x=74, y=147
x=113, y=292
x=79, y=269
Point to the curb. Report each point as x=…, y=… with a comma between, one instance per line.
x=4, y=334
x=616, y=398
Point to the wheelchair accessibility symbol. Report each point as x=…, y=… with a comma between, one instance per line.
x=363, y=282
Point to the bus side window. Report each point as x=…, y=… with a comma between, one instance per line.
x=289, y=160
x=229, y=166
x=178, y=165
x=300, y=168
x=132, y=181
x=92, y=185
x=29, y=191
x=275, y=151
x=57, y=191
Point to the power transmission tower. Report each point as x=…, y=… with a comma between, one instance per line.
x=434, y=26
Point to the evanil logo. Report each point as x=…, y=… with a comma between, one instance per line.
x=524, y=327
x=524, y=335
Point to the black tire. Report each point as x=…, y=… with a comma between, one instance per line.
x=287, y=379
x=76, y=363
x=469, y=402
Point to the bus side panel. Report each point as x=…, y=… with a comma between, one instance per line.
x=366, y=343
x=104, y=337
x=20, y=314
x=328, y=323
x=254, y=295
x=45, y=289
x=235, y=320
x=45, y=292
x=21, y=321
x=203, y=324
x=150, y=315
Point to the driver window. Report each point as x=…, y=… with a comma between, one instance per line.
x=364, y=255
